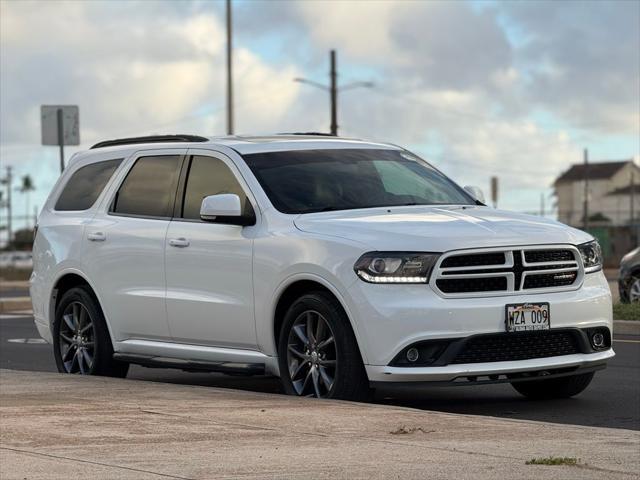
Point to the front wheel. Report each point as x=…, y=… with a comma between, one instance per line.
x=318, y=353
x=81, y=341
x=562, y=387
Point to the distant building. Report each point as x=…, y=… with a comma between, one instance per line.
x=613, y=187
x=614, y=204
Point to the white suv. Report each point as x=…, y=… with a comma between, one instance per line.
x=335, y=264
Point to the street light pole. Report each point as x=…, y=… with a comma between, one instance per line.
x=333, y=89
x=585, y=204
x=229, y=72
x=334, y=94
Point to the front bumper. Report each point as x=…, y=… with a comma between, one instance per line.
x=492, y=372
x=388, y=318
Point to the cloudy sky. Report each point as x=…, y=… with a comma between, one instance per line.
x=478, y=88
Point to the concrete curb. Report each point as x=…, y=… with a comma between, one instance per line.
x=626, y=327
x=17, y=304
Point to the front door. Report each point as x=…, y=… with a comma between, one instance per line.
x=209, y=265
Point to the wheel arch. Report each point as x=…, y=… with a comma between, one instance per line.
x=298, y=285
x=67, y=280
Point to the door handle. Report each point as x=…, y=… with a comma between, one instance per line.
x=179, y=242
x=96, y=237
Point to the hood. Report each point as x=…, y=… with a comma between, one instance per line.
x=439, y=229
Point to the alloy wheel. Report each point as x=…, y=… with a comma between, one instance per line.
x=312, y=355
x=77, y=339
x=634, y=291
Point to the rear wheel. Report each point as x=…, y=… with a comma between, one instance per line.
x=562, y=387
x=318, y=352
x=81, y=341
x=634, y=290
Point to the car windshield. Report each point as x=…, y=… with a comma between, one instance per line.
x=306, y=181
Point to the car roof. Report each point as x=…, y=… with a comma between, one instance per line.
x=243, y=144
x=272, y=143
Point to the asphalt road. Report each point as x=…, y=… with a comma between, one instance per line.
x=612, y=400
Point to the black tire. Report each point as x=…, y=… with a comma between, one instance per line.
x=89, y=337
x=562, y=387
x=350, y=380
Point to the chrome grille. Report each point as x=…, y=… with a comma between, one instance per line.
x=507, y=271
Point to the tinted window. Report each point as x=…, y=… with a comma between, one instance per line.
x=305, y=181
x=150, y=187
x=208, y=176
x=85, y=185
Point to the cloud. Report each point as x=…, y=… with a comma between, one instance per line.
x=479, y=89
x=582, y=60
x=130, y=74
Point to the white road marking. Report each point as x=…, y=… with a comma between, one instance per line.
x=26, y=340
x=625, y=341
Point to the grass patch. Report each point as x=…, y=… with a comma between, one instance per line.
x=626, y=311
x=553, y=461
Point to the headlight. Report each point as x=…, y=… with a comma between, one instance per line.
x=395, y=267
x=591, y=254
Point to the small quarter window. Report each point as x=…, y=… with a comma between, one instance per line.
x=85, y=185
x=150, y=187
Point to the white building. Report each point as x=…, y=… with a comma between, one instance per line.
x=614, y=194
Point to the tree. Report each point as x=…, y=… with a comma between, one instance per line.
x=27, y=187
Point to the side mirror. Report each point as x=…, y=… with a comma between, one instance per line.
x=475, y=192
x=222, y=205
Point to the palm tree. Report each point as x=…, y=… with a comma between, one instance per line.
x=27, y=187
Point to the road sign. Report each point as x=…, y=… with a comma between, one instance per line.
x=60, y=126
x=70, y=124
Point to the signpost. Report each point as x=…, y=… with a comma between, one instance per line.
x=60, y=126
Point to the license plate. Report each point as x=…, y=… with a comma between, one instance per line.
x=523, y=317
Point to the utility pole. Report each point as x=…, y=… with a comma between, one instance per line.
x=229, y=72
x=632, y=220
x=585, y=208
x=542, y=204
x=333, y=89
x=9, y=182
x=334, y=93
x=494, y=191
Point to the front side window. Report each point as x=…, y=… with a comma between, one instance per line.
x=150, y=187
x=305, y=181
x=208, y=176
x=85, y=185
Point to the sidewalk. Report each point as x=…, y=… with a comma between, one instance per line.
x=61, y=426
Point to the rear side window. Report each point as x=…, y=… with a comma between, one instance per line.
x=150, y=187
x=208, y=176
x=85, y=185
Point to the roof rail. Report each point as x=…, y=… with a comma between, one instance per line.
x=150, y=139
x=311, y=134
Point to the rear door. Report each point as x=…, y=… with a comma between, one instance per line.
x=209, y=265
x=125, y=246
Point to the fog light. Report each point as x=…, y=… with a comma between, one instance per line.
x=413, y=354
x=597, y=339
